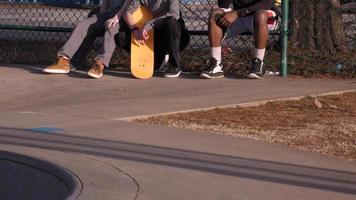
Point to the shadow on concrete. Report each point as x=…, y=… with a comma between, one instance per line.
x=276, y=172
x=78, y=73
x=121, y=74
x=30, y=68
x=23, y=177
x=82, y=73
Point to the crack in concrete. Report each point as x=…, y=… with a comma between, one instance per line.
x=138, y=191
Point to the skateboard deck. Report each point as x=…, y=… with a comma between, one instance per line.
x=142, y=55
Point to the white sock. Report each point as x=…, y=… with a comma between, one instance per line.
x=260, y=53
x=215, y=52
x=64, y=57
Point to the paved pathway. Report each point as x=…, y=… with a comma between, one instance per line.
x=75, y=122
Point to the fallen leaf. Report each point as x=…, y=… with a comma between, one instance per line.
x=226, y=51
x=333, y=106
x=318, y=104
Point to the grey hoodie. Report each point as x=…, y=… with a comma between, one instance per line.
x=160, y=9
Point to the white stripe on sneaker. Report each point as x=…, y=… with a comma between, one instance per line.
x=254, y=76
x=56, y=71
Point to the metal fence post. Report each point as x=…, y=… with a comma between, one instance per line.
x=284, y=36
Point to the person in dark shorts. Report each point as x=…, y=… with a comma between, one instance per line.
x=246, y=16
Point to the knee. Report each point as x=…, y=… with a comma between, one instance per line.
x=261, y=17
x=169, y=21
x=214, y=13
x=82, y=24
x=111, y=32
x=171, y=24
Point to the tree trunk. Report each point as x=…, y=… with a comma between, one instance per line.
x=317, y=25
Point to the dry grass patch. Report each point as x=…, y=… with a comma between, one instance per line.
x=325, y=125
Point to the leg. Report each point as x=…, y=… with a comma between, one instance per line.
x=167, y=39
x=215, y=32
x=185, y=36
x=124, y=41
x=160, y=48
x=92, y=26
x=79, y=57
x=87, y=44
x=260, y=30
x=105, y=52
x=173, y=36
x=107, y=49
x=168, y=42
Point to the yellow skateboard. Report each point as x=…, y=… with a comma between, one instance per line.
x=142, y=55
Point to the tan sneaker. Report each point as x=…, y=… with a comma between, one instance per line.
x=61, y=67
x=97, y=70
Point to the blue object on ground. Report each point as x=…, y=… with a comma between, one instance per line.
x=46, y=130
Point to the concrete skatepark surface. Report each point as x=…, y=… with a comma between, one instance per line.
x=76, y=122
x=27, y=178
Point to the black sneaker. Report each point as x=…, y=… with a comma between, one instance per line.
x=213, y=70
x=172, y=72
x=164, y=65
x=257, y=69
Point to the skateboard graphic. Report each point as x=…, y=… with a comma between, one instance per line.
x=142, y=55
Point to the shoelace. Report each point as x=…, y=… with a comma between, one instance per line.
x=97, y=68
x=256, y=66
x=210, y=65
x=62, y=61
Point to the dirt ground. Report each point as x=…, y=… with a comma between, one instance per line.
x=325, y=125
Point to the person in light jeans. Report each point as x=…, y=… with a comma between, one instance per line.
x=106, y=23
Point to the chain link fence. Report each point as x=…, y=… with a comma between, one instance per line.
x=350, y=27
x=31, y=31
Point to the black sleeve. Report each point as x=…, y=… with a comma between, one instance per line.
x=224, y=3
x=262, y=4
